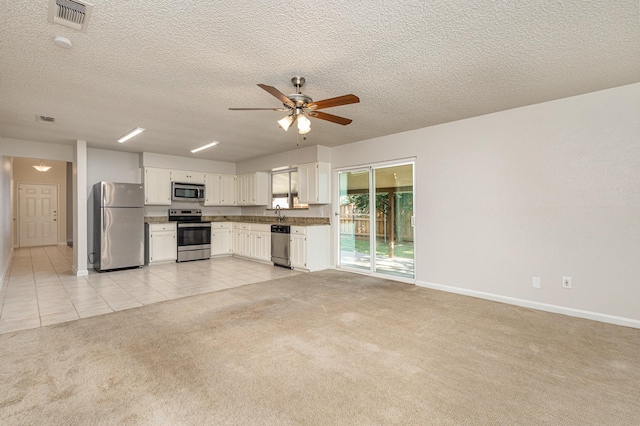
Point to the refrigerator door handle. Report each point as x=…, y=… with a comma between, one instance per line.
x=104, y=205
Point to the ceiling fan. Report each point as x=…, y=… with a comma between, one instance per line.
x=300, y=107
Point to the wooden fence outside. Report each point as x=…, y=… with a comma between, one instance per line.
x=360, y=225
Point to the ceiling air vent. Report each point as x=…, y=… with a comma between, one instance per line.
x=70, y=13
x=45, y=119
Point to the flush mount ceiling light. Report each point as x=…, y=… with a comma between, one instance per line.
x=63, y=42
x=41, y=167
x=209, y=145
x=131, y=134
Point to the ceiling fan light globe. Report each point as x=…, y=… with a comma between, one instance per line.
x=304, y=124
x=304, y=131
x=285, y=122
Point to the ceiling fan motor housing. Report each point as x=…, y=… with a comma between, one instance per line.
x=299, y=99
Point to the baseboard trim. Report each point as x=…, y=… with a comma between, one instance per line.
x=79, y=273
x=595, y=316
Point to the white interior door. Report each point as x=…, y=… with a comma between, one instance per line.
x=38, y=214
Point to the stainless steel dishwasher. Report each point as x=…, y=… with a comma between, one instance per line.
x=280, y=245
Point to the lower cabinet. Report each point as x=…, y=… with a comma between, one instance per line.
x=161, y=243
x=252, y=241
x=309, y=247
x=298, y=251
x=261, y=245
x=220, y=238
x=240, y=239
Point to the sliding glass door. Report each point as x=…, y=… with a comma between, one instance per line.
x=355, y=245
x=393, y=188
x=376, y=216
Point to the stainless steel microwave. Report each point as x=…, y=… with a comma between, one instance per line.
x=187, y=191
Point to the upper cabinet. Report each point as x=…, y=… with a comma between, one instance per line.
x=314, y=183
x=157, y=186
x=187, y=177
x=219, y=190
x=252, y=189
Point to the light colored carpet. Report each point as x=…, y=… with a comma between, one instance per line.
x=325, y=348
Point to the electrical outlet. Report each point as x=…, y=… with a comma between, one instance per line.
x=566, y=282
x=535, y=282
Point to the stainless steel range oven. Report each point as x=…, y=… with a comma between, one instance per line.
x=194, y=236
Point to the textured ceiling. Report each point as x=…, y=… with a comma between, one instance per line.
x=174, y=67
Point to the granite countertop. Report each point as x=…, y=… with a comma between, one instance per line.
x=295, y=221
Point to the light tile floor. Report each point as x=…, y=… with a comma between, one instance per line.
x=40, y=288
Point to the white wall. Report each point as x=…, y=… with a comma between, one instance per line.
x=546, y=190
x=5, y=217
x=149, y=159
x=291, y=158
x=45, y=151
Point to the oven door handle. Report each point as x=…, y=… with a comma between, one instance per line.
x=195, y=225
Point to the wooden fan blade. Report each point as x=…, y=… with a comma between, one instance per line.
x=259, y=109
x=330, y=117
x=278, y=94
x=328, y=103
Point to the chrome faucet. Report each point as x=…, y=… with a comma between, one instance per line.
x=279, y=213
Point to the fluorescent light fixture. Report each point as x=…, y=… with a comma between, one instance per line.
x=285, y=122
x=41, y=167
x=209, y=145
x=304, y=125
x=131, y=134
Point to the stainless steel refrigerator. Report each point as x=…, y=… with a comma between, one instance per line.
x=118, y=225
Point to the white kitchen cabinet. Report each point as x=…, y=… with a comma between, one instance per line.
x=260, y=237
x=252, y=241
x=220, y=238
x=157, y=186
x=314, y=183
x=241, y=244
x=252, y=189
x=298, y=251
x=161, y=243
x=219, y=189
x=309, y=249
x=228, y=183
x=185, y=176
